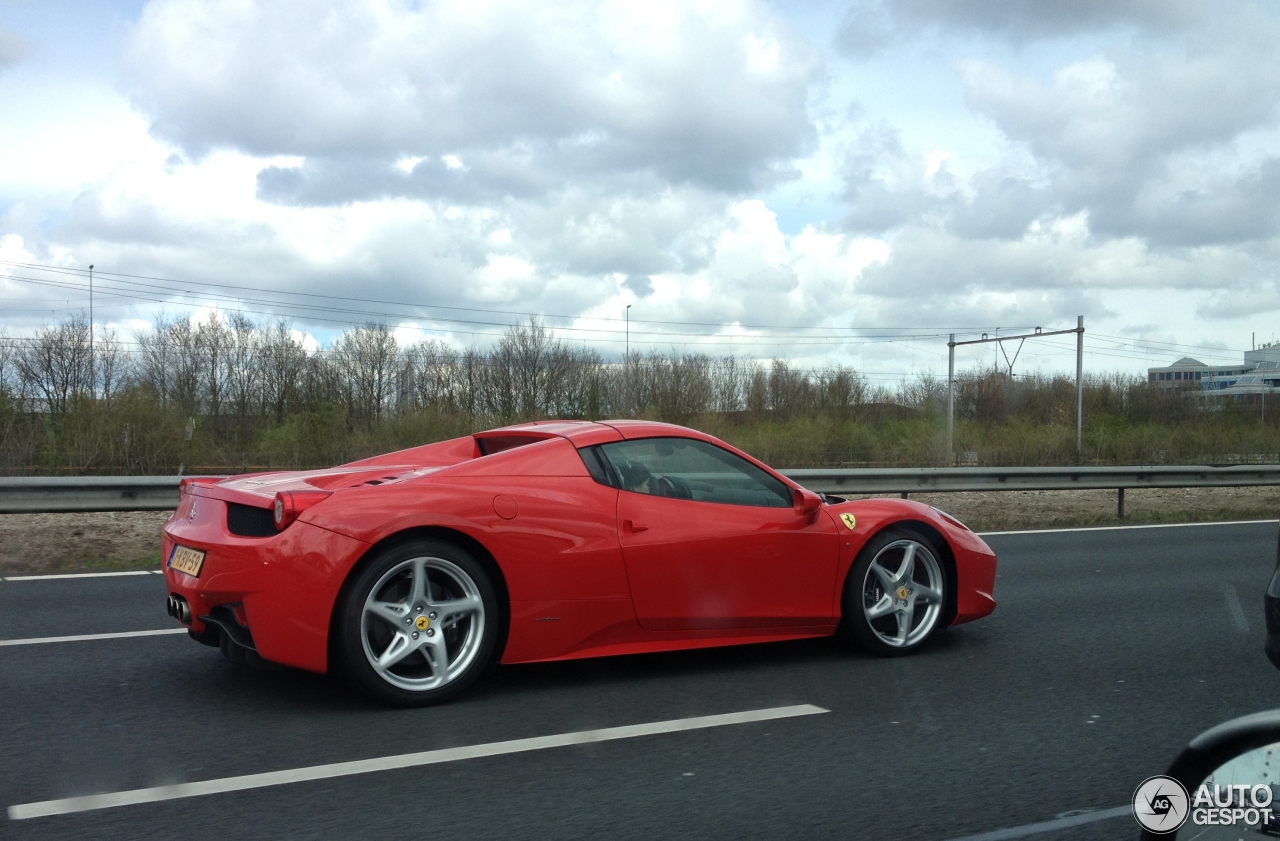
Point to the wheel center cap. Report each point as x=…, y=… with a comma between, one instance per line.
x=421, y=623
x=902, y=593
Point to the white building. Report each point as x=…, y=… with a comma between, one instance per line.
x=1260, y=374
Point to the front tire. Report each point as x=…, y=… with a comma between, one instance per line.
x=894, y=594
x=418, y=624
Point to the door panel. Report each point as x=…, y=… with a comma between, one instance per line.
x=703, y=565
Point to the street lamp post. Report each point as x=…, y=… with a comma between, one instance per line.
x=92, y=373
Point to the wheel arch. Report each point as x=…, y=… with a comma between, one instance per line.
x=443, y=534
x=945, y=555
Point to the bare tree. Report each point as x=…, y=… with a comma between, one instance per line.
x=841, y=388
x=729, y=380
x=242, y=371
x=281, y=363
x=171, y=363
x=55, y=363
x=680, y=387
x=790, y=391
x=214, y=341
x=367, y=359
x=6, y=364
x=533, y=360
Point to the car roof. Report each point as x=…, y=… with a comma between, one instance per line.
x=587, y=433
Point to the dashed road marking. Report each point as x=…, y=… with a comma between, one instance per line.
x=94, y=802
x=82, y=575
x=1234, y=608
x=1055, y=825
x=87, y=637
x=1125, y=528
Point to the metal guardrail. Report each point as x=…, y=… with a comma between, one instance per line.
x=68, y=494
x=51, y=494
x=950, y=479
x=908, y=480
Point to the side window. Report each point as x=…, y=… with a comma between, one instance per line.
x=683, y=468
x=598, y=467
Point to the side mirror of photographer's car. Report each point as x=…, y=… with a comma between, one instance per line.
x=1224, y=784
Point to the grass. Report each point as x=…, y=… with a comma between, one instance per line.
x=151, y=560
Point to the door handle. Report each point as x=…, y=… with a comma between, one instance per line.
x=631, y=527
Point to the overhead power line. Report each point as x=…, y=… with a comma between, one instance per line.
x=315, y=307
x=125, y=278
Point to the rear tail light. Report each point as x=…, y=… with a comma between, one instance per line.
x=290, y=504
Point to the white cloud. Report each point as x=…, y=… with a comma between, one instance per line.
x=872, y=25
x=69, y=135
x=12, y=49
x=712, y=92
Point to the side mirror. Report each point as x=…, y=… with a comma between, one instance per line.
x=807, y=503
x=1226, y=778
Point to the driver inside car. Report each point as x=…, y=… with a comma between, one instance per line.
x=637, y=478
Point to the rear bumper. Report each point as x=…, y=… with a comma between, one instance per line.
x=287, y=586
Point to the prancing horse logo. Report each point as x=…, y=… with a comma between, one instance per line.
x=421, y=623
x=849, y=520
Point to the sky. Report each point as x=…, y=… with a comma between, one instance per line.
x=830, y=182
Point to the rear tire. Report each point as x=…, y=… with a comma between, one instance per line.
x=894, y=594
x=418, y=624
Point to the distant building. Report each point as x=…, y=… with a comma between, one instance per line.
x=1266, y=353
x=1184, y=375
x=1259, y=374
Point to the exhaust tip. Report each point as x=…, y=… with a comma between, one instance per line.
x=179, y=609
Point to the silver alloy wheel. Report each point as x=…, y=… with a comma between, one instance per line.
x=422, y=624
x=902, y=593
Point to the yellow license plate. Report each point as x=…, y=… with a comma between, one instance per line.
x=187, y=560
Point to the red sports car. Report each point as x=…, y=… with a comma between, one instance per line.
x=411, y=572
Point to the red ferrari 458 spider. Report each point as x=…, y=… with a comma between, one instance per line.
x=412, y=572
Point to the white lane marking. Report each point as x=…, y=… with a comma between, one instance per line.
x=86, y=637
x=1049, y=826
x=388, y=763
x=83, y=575
x=1233, y=605
x=1123, y=528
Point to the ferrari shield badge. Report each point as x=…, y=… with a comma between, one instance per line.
x=849, y=520
x=422, y=623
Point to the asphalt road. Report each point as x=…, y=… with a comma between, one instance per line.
x=1108, y=652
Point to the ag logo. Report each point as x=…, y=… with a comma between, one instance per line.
x=849, y=520
x=1160, y=805
x=421, y=623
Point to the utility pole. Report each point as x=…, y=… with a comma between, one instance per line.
x=951, y=398
x=93, y=389
x=626, y=361
x=1079, y=388
x=951, y=374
